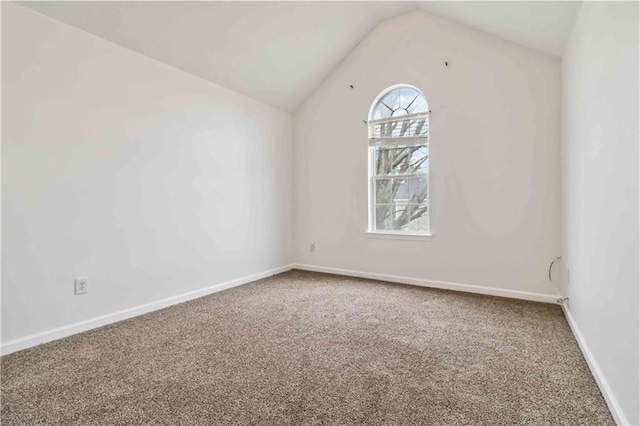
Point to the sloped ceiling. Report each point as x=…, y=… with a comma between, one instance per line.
x=543, y=25
x=278, y=52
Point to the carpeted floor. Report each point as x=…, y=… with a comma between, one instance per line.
x=308, y=348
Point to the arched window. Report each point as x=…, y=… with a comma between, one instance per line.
x=399, y=162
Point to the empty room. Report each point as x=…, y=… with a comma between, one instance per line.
x=336, y=213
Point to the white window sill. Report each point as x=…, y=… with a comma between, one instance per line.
x=399, y=236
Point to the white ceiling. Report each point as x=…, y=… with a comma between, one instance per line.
x=541, y=25
x=278, y=52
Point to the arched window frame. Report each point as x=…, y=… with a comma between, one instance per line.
x=384, y=136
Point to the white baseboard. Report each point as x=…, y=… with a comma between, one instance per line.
x=468, y=288
x=608, y=395
x=78, y=327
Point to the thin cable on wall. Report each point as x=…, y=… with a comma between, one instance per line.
x=561, y=300
x=551, y=266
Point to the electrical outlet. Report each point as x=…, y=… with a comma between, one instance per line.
x=81, y=285
x=312, y=247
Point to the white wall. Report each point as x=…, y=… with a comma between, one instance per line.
x=600, y=186
x=148, y=180
x=495, y=147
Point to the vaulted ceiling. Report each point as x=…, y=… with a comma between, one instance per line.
x=278, y=52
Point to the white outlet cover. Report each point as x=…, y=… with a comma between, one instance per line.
x=81, y=285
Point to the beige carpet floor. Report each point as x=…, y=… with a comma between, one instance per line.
x=308, y=348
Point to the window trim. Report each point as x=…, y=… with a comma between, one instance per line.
x=372, y=145
x=406, y=236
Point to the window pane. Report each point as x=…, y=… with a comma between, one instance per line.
x=419, y=159
x=413, y=190
x=419, y=222
x=419, y=105
x=402, y=217
x=405, y=161
x=398, y=102
x=391, y=217
x=417, y=189
x=391, y=190
x=383, y=217
x=401, y=204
